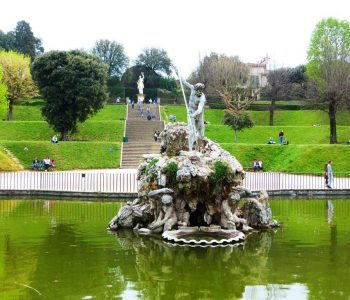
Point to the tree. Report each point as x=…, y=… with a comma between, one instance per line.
x=3, y=96
x=155, y=59
x=228, y=77
x=237, y=121
x=279, y=83
x=17, y=77
x=131, y=75
x=25, y=41
x=7, y=41
x=329, y=66
x=73, y=84
x=113, y=55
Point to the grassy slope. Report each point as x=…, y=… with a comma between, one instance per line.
x=7, y=164
x=292, y=158
x=29, y=136
x=309, y=147
x=261, y=134
x=261, y=118
x=68, y=155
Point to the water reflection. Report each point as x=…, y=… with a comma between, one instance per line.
x=216, y=273
x=62, y=249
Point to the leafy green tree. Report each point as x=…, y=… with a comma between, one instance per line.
x=155, y=59
x=237, y=121
x=74, y=86
x=329, y=67
x=17, y=77
x=3, y=96
x=7, y=41
x=113, y=55
x=25, y=41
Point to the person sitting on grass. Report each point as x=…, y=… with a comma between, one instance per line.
x=52, y=165
x=285, y=142
x=260, y=165
x=36, y=164
x=54, y=140
x=255, y=165
x=46, y=163
x=271, y=141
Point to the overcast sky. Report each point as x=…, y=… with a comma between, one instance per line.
x=186, y=29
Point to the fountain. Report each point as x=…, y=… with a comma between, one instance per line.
x=192, y=192
x=193, y=197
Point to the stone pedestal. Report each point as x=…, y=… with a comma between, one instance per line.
x=140, y=97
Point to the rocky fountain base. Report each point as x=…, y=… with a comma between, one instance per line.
x=193, y=197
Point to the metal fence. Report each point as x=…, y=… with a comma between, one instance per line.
x=125, y=181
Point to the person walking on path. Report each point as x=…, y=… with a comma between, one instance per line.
x=329, y=175
x=325, y=174
x=280, y=136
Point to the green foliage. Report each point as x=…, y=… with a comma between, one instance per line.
x=220, y=173
x=25, y=41
x=131, y=75
x=150, y=165
x=17, y=77
x=171, y=170
x=6, y=40
x=22, y=40
x=115, y=88
x=74, y=86
x=155, y=59
x=168, y=83
x=3, y=97
x=329, y=67
x=237, y=121
x=330, y=42
x=112, y=54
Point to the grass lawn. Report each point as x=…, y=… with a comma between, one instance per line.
x=7, y=164
x=261, y=134
x=292, y=158
x=67, y=155
x=33, y=113
x=309, y=148
x=261, y=118
x=40, y=131
x=28, y=136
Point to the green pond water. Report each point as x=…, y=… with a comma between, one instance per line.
x=58, y=249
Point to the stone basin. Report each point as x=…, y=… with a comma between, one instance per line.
x=203, y=236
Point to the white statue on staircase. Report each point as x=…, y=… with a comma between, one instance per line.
x=140, y=84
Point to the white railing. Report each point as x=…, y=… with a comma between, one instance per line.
x=99, y=182
x=125, y=181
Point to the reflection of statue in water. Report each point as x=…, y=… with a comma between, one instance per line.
x=140, y=85
x=196, y=113
x=160, y=266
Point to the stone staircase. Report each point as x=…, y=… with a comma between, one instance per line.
x=140, y=133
